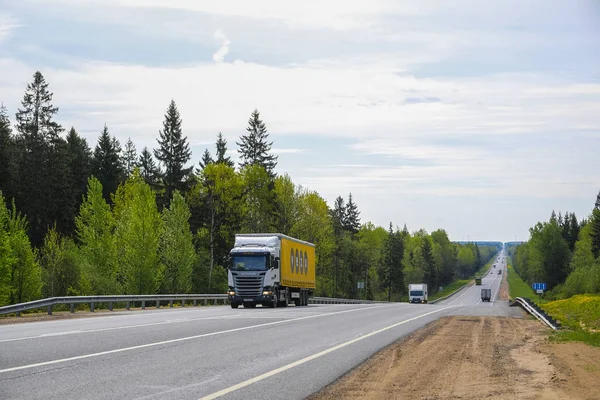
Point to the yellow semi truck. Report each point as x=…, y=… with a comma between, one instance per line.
x=271, y=269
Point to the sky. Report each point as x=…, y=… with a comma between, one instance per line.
x=476, y=117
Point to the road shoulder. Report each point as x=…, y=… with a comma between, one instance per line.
x=470, y=358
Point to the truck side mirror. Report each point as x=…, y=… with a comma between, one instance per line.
x=276, y=263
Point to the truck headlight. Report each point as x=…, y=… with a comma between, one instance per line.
x=231, y=293
x=267, y=293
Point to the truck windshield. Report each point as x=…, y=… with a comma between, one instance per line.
x=249, y=263
x=416, y=293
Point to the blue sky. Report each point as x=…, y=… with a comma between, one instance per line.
x=479, y=118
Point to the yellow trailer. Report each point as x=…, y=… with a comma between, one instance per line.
x=271, y=269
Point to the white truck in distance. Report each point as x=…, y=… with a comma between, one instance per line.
x=417, y=293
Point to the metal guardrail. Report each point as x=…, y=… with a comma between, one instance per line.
x=144, y=300
x=536, y=311
x=110, y=300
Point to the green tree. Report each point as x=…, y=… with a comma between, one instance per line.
x=177, y=251
x=40, y=161
x=107, y=164
x=26, y=279
x=448, y=269
x=7, y=156
x=6, y=256
x=138, y=229
x=149, y=170
x=60, y=265
x=254, y=148
x=595, y=227
x=286, y=204
x=95, y=226
x=259, y=199
x=206, y=160
x=130, y=157
x=351, y=217
x=80, y=168
x=222, y=152
x=217, y=202
x=173, y=153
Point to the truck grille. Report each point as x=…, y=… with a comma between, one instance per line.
x=248, y=285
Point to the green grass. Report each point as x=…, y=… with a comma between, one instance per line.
x=517, y=287
x=578, y=312
x=578, y=335
x=449, y=289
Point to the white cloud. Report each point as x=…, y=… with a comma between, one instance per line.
x=8, y=24
x=219, y=56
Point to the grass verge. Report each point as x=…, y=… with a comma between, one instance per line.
x=581, y=315
x=517, y=287
x=449, y=289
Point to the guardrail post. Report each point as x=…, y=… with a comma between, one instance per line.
x=18, y=313
x=92, y=306
x=215, y=302
x=205, y=302
x=50, y=309
x=143, y=304
x=195, y=302
x=127, y=306
x=110, y=306
x=72, y=308
x=171, y=303
x=157, y=303
x=182, y=303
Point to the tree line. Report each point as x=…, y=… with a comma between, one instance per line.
x=563, y=252
x=77, y=221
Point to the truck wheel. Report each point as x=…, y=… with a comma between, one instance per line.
x=233, y=305
x=304, y=296
x=297, y=302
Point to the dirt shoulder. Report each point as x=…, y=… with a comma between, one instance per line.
x=474, y=358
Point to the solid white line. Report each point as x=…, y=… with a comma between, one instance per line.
x=309, y=358
x=114, y=328
x=102, y=353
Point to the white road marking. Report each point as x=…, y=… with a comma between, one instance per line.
x=465, y=292
x=102, y=353
x=111, y=328
x=309, y=358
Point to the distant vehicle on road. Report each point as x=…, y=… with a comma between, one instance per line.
x=271, y=269
x=486, y=294
x=417, y=293
x=478, y=280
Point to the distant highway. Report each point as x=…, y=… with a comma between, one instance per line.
x=212, y=352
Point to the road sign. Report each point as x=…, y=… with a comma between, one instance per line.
x=539, y=291
x=539, y=286
x=360, y=285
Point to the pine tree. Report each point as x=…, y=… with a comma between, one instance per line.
x=130, y=158
x=80, y=168
x=206, y=160
x=107, y=164
x=352, y=220
x=148, y=169
x=7, y=156
x=254, y=148
x=222, y=151
x=595, y=228
x=42, y=174
x=173, y=153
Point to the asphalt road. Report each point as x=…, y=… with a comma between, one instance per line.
x=210, y=352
